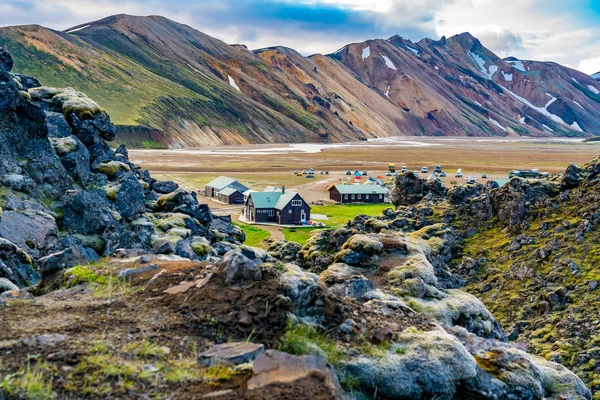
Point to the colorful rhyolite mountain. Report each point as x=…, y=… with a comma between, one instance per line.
x=169, y=85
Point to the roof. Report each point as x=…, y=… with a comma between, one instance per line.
x=285, y=199
x=265, y=199
x=361, y=189
x=272, y=189
x=228, y=191
x=276, y=200
x=223, y=182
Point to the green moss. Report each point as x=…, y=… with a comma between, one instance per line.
x=111, y=168
x=64, y=145
x=305, y=339
x=299, y=235
x=201, y=246
x=83, y=274
x=101, y=278
x=31, y=383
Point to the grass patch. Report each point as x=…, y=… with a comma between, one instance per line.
x=305, y=339
x=108, y=370
x=254, y=235
x=101, y=279
x=339, y=214
x=298, y=235
x=32, y=383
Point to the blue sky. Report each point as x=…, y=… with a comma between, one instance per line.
x=564, y=31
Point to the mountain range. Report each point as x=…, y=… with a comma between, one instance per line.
x=169, y=85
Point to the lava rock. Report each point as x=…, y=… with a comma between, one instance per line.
x=68, y=258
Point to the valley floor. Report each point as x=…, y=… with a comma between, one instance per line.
x=258, y=166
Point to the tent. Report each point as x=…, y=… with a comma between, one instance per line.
x=357, y=173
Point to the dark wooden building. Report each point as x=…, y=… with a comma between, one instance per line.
x=367, y=194
x=283, y=208
x=213, y=188
x=231, y=196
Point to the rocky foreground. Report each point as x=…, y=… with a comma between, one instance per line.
x=115, y=285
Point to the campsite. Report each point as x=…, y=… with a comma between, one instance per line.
x=260, y=167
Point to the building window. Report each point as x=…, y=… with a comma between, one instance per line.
x=296, y=203
x=271, y=213
x=380, y=196
x=367, y=196
x=290, y=211
x=353, y=196
x=359, y=196
x=345, y=197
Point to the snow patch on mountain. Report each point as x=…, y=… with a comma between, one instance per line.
x=366, y=53
x=507, y=77
x=413, y=50
x=340, y=50
x=387, y=92
x=542, y=110
x=388, y=62
x=593, y=89
x=77, y=29
x=489, y=71
x=578, y=104
x=522, y=120
x=518, y=65
x=576, y=126
x=596, y=76
x=547, y=127
x=493, y=121
x=232, y=83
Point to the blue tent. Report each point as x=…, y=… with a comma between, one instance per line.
x=357, y=173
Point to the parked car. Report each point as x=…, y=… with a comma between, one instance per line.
x=471, y=180
x=365, y=173
x=424, y=170
x=437, y=169
x=305, y=172
x=311, y=171
x=483, y=176
x=458, y=174
x=404, y=169
x=389, y=173
x=442, y=174
x=296, y=172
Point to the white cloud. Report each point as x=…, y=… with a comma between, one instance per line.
x=590, y=65
x=548, y=30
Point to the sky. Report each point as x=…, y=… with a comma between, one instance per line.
x=563, y=31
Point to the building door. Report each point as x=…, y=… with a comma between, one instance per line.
x=302, y=215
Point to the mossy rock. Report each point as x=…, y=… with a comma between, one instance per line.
x=111, y=168
x=92, y=241
x=201, y=246
x=67, y=100
x=64, y=145
x=112, y=192
x=169, y=221
x=181, y=233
